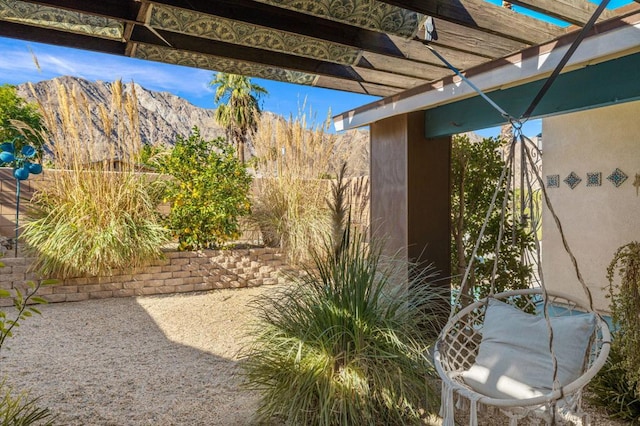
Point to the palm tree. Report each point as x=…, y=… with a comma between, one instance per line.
x=238, y=106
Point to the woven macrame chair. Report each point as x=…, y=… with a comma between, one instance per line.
x=458, y=346
x=460, y=340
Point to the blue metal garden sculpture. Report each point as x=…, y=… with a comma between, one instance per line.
x=21, y=161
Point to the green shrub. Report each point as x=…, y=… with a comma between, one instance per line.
x=625, y=305
x=612, y=389
x=617, y=386
x=346, y=344
x=19, y=120
x=208, y=192
x=475, y=172
x=96, y=213
x=20, y=409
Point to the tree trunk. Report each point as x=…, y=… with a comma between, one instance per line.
x=241, y=145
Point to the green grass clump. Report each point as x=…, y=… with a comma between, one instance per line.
x=21, y=410
x=348, y=343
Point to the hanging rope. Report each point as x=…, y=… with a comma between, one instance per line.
x=517, y=126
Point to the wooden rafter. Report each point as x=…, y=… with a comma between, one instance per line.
x=484, y=16
x=470, y=33
x=471, y=40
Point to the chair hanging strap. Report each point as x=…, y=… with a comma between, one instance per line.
x=563, y=62
x=469, y=82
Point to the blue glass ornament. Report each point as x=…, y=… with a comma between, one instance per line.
x=6, y=157
x=21, y=173
x=28, y=151
x=35, y=168
x=7, y=147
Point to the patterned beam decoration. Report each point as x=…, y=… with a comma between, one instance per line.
x=369, y=14
x=50, y=17
x=215, y=28
x=215, y=63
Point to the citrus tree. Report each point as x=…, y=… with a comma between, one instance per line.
x=208, y=191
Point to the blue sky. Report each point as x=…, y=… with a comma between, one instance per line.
x=17, y=66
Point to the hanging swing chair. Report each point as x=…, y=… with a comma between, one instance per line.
x=528, y=353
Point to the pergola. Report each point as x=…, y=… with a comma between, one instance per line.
x=373, y=47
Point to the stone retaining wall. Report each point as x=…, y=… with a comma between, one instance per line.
x=179, y=272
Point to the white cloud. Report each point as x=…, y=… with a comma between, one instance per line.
x=17, y=66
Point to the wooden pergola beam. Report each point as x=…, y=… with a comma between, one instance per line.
x=294, y=22
x=61, y=38
x=123, y=10
x=484, y=16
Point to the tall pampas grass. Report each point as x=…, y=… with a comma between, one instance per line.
x=95, y=213
x=294, y=160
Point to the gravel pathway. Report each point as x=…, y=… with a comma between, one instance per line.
x=156, y=360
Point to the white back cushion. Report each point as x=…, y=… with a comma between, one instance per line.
x=514, y=361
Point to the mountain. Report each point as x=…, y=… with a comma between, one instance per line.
x=163, y=116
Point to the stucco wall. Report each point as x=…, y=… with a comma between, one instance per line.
x=596, y=219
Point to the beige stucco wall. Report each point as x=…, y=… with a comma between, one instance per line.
x=596, y=219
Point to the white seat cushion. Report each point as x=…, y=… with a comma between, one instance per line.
x=514, y=361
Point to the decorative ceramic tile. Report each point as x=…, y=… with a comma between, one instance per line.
x=553, y=181
x=216, y=28
x=572, y=180
x=617, y=177
x=372, y=14
x=594, y=179
x=52, y=17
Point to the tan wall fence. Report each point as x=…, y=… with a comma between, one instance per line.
x=358, y=190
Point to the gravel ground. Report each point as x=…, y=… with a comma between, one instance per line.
x=167, y=360
x=160, y=360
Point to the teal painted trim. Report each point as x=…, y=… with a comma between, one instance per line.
x=607, y=83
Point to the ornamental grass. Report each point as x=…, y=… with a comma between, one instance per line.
x=294, y=158
x=95, y=213
x=348, y=343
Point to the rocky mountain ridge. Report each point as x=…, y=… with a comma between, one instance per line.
x=162, y=115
